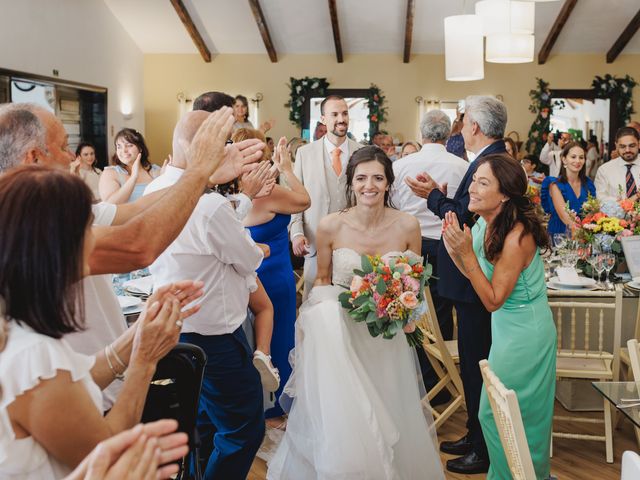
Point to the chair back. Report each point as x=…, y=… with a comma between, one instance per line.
x=634, y=357
x=506, y=413
x=630, y=466
x=581, y=327
x=175, y=390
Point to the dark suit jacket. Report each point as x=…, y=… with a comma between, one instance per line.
x=452, y=284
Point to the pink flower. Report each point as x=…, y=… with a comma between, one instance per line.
x=409, y=300
x=625, y=233
x=411, y=283
x=356, y=283
x=410, y=327
x=406, y=268
x=386, y=258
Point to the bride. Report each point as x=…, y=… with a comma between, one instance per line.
x=355, y=411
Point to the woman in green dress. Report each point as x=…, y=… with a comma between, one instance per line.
x=501, y=258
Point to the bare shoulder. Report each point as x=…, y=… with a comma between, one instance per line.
x=404, y=220
x=515, y=241
x=332, y=222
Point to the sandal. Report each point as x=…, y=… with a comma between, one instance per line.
x=269, y=374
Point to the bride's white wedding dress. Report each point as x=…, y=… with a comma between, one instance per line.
x=356, y=411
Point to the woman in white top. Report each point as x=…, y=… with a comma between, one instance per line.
x=51, y=404
x=131, y=171
x=85, y=167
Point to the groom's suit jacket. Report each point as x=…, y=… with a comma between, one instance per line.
x=311, y=168
x=452, y=283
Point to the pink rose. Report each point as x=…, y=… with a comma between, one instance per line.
x=386, y=258
x=410, y=327
x=356, y=283
x=406, y=268
x=409, y=300
x=412, y=284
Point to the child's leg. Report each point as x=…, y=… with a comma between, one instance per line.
x=262, y=309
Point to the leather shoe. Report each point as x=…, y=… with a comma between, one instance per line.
x=469, y=464
x=461, y=446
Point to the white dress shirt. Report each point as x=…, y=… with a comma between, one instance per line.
x=215, y=248
x=104, y=320
x=550, y=155
x=611, y=178
x=443, y=167
x=344, y=152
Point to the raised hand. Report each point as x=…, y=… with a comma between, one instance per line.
x=457, y=241
x=282, y=157
x=135, y=168
x=157, y=331
x=422, y=185
x=254, y=182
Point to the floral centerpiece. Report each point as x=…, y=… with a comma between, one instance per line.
x=605, y=222
x=388, y=295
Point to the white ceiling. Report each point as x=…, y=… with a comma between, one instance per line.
x=366, y=26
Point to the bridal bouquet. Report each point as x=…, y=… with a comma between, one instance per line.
x=388, y=295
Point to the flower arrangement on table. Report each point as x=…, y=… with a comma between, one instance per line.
x=388, y=295
x=603, y=223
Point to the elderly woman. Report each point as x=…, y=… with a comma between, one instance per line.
x=51, y=407
x=501, y=258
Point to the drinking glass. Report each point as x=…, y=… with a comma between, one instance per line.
x=559, y=240
x=599, y=266
x=609, y=263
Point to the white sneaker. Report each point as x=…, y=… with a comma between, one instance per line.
x=269, y=374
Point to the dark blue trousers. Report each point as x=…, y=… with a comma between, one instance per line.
x=230, y=417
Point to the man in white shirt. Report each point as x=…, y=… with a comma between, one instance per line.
x=550, y=154
x=128, y=236
x=215, y=248
x=446, y=169
x=618, y=178
x=321, y=167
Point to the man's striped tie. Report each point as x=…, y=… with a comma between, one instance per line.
x=631, y=183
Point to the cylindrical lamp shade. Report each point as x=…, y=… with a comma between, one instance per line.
x=523, y=16
x=463, y=45
x=510, y=48
x=495, y=14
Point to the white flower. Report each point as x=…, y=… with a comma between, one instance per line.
x=304, y=83
x=298, y=88
x=314, y=85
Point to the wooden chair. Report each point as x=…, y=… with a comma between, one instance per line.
x=578, y=359
x=633, y=349
x=506, y=413
x=443, y=356
x=625, y=361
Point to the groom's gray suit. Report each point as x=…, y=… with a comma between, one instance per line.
x=327, y=192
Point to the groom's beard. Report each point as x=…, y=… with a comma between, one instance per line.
x=340, y=134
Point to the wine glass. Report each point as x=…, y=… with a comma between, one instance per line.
x=609, y=263
x=599, y=266
x=559, y=240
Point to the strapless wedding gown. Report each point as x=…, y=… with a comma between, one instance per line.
x=355, y=411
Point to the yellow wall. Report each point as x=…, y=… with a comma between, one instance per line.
x=166, y=75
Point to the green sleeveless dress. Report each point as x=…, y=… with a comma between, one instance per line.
x=523, y=356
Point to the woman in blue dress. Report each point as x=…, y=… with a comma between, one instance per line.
x=268, y=222
x=572, y=186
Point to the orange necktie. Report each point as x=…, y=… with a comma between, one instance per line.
x=336, y=162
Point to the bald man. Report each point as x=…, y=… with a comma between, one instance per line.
x=215, y=248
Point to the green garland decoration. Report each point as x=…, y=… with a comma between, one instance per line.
x=377, y=110
x=542, y=105
x=618, y=89
x=301, y=89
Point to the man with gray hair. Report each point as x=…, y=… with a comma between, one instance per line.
x=446, y=169
x=483, y=128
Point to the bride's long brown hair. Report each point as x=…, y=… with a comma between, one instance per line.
x=512, y=182
x=364, y=155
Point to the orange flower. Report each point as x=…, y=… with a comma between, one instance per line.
x=627, y=205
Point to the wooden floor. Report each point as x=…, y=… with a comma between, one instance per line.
x=573, y=459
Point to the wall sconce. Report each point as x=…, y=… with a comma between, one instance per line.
x=182, y=98
x=126, y=109
x=258, y=98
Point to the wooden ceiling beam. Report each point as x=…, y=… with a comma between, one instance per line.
x=335, y=26
x=554, y=33
x=191, y=29
x=624, y=38
x=264, y=30
x=408, y=30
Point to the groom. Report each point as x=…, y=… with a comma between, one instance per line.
x=483, y=128
x=321, y=167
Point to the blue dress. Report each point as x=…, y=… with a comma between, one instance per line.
x=575, y=203
x=276, y=274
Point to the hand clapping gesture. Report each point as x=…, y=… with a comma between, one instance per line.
x=423, y=185
x=458, y=242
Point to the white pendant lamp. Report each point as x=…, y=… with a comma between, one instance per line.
x=463, y=48
x=510, y=48
x=523, y=15
x=495, y=14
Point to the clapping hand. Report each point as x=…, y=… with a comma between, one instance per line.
x=259, y=182
x=136, y=453
x=282, y=157
x=423, y=185
x=457, y=241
